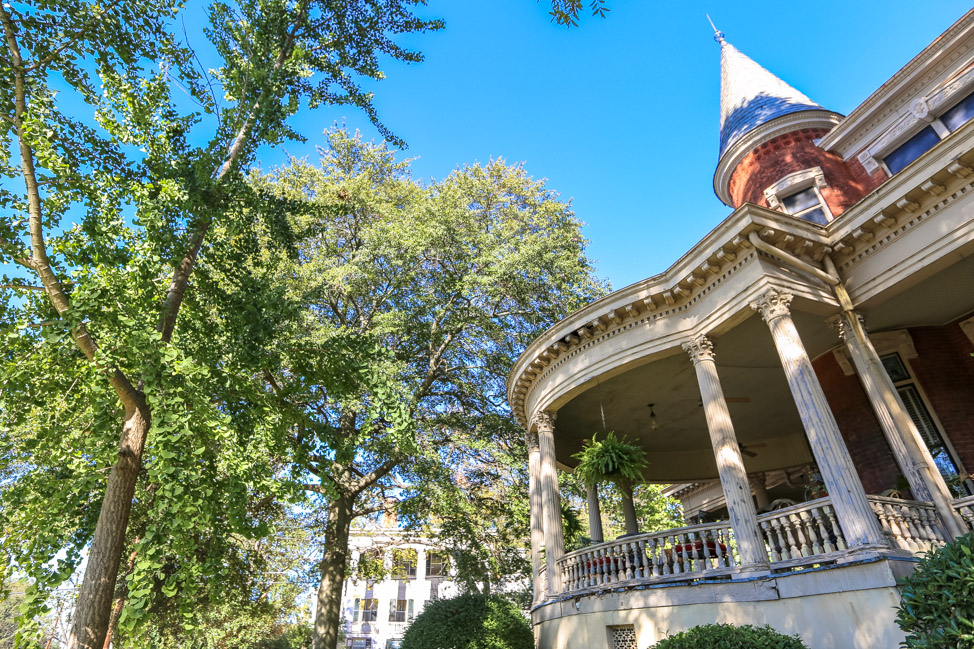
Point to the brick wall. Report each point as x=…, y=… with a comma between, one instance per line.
x=945, y=370
x=793, y=152
x=867, y=445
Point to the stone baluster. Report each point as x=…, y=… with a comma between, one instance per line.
x=856, y=518
x=773, y=544
x=809, y=525
x=551, y=498
x=730, y=464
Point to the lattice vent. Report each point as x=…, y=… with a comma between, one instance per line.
x=622, y=637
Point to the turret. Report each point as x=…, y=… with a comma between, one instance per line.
x=768, y=145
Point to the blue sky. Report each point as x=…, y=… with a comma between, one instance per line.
x=620, y=114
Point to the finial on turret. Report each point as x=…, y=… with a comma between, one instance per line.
x=718, y=35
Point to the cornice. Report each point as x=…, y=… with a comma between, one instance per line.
x=723, y=252
x=764, y=133
x=909, y=81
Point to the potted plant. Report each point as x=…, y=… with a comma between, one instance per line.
x=613, y=460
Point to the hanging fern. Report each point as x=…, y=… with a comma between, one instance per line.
x=610, y=459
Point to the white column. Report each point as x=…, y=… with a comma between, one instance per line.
x=551, y=500
x=859, y=524
x=594, y=513
x=536, y=506
x=759, y=485
x=420, y=563
x=911, y=453
x=730, y=464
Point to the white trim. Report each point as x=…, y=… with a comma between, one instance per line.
x=732, y=156
x=923, y=111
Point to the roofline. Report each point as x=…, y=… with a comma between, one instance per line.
x=732, y=156
x=856, y=119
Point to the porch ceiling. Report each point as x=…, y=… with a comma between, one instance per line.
x=763, y=413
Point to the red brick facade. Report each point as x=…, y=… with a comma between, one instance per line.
x=793, y=152
x=867, y=445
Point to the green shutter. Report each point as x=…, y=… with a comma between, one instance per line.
x=355, y=614
x=409, y=614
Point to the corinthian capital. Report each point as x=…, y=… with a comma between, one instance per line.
x=773, y=304
x=532, y=440
x=544, y=421
x=842, y=325
x=700, y=348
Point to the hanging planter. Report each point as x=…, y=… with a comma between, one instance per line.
x=613, y=460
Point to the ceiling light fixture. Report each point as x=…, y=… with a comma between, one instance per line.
x=653, y=424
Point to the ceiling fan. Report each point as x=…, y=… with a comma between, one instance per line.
x=746, y=449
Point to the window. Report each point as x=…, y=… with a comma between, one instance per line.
x=911, y=149
x=393, y=644
x=800, y=195
x=960, y=114
x=400, y=610
x=916, y=407
x=404, y=563
x=806, y=204
x=436, y=564
x=928, y=136
x=366, y=610
x=359, y=643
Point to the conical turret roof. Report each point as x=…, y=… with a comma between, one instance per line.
x=751, y=96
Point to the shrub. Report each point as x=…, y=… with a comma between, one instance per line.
x=937, y=607
x=728, y=636
x=470, y=622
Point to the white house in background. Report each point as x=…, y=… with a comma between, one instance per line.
x=376, y=612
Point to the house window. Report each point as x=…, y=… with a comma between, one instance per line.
x=404, y=563
x=806, y=204
x=436, y=564
x=400, y=610
x=366, y=610
x=393, y=644
x=911, y=149
x=800, y=195
x=359, y=643
x=960, y=114
x=916, y=407
x=923, y=140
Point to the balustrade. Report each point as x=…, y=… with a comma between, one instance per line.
x=694, y=552
x=911, y=525
x=802, y=531
x=965, y=507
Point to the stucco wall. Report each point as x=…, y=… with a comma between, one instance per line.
x=848, y=607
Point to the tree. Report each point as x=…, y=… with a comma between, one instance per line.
x=420, y=299
x=565, y=12
x=94, y=296
x=470, y=621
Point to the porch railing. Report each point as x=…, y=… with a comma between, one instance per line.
x=687, y=552
x=801, y=531
x=909, y=524
x=965, y=507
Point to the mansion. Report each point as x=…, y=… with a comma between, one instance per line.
x=803, y=375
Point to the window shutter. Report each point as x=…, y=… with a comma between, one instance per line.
x=409, y=614
x=355, y=614
x=918, y=413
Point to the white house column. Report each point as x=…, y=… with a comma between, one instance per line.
x=594, y=513
x=911, y=453
x=536, y=505
x=554, y=539
x=859, y=525
x=730, y=465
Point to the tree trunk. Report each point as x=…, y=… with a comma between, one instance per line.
x=93, y=610
x=333, y=563
x=629, y=510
